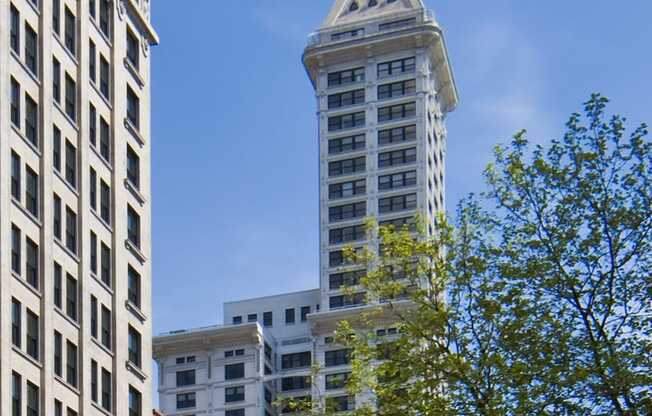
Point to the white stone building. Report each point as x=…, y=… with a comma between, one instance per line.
x=383, y=85
x=75, y=304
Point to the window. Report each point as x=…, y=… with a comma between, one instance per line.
x=397, y=180
x=397, y=203
x=16, y=393
x=252, y=317
x=58, y=285
x=32, y=338
x=228, y=354
x=237, y=320
x=71, y=230
x=397, y=135
x=296, y=360
x=289, y=316
x=105, y=140
x=186, y=400
x=347, y=166
x=15, y=102
x=71, y=98
x=71, y=363
x=354, y=6
x=346, y=121
x=399, y=223
x=133, y=290
x=92, y=124
x=397, y=112
x=135, y=402
x=15, y=30
x=93, y=188
x=93, y=253
x=267, y=319
x=71, y=297
x=341, y=403
x=106, y=327
x=347, y=234
x=56, y=16
x=134, y=347
x=133, y=48
x=31, y=265
x=396, y=67
x=70, y=32
x=16, y=323
x=133, y=227
x=345, y=279
x=185, y=378
x=133, y=167
x=15, y=249
x=15, y=175
x=92, y=8
x=396, y=24
x=347, y=189
x=337, y=381
x=346, y=144
x=105, y=260
x=92, y=61
x=106, y=390
x=71, y=164
x=94, y=381
x=345, y=99
x=348, y=34
x=31, y=49
x=347, y=301
x=372, y=3
x=346, y=77
x=105, y=202
x=305, y=311
x=31, y=120
x=58, y=408
x=347, y=212
x=56, y=80
x=234, y=371
x=93, y=316
x=133, y=108
x=105, y=17
x=31, y=191
x=104, y=77
x=295, y=383
x=58, y=354
x=397, y=157
x=234, y=394
x=33, y=399
x=56, y=148
x=337, y=357
x=397, y=89
x=235, y=412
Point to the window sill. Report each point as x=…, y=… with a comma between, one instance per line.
x=134, y=72
x=135, y=251
x=72, y=122
x=67, y=318
x=35, y=8
x=134, y=132
x=27, y=356
x=102, y=347
x=135, y=310
x=29, y=287
x=65, y=384
x=26, y=140
x=100, y=408
x=133, y=368
x=29, y=72
x=71, y=55
x=101, y=282
x=101, y=32
x=106, y=100
x=65, y=182
x=102, y=158
x=134, y=191
x=106, y=225
x=27, y=213
x=66, y=250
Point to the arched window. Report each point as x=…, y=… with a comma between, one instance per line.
x=372, y=3
x=354, y=6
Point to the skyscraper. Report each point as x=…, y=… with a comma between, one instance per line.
x=75, y=333
x=383, y=85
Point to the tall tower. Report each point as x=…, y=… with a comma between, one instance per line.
x=75, y=202
x=384, y=85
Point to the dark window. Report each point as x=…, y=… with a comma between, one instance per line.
x=31, y=49
x=16, y=393
x=397, y=203
x=71, y=98
x=71, y=297
x=93, y=316
x=337, y=381
x=237, y=320
x=305, y=311
x=105, y=139
x=397, y=157
x=15, y=249
x=106, y=327
x=71, y=363
x=133, y=290
x=396, y=67
x=290, y=316
x=94, y=381
x=135, y=347
x=234, y=394
x=347, y=234
x=133, y=227
x=346, y=144
x=347, y=166
x=341, y=403
x=71, y=164
x=397, y=112
x=399, y=223
x=345, y=99
x=58, y=408
x=15, y=29
x=397, y=135
x=58, y=354
x=347, y=301
x=92, y=8
x=58, y=285
x=31, y=264
x=185, y=378
x=347, y=34
x=31, y=191
x=346, y=121
x=71, y=230
x=105, y=17
x=295, y=383
x=346, y=77
x=33, y=399
x=92, y=124
x=56, y=16
x=133, y=48
x=347, y=212
x=186, y=400
x=105, y=202
x=15, y=102
x=397, y=89
x=296, y=360
x=234, y=371
x=104, y=78
x=32, y=336
x=70, y=32
x=133, y=167
x=105, y=263
x=133, y=108
x=345, y=279
x=15, y=175
x=397, y=180
x=135, y=402
x=347, y=189
x=396, y=24
x=93, y=188
x=92, y=61
x=16, y=323
x=337, y=357
x=354, y=6
x=252, y=317
x=267, y=319
x=93, y=253
x=31, y=120
x=106, y=390
x=56, y=80
x=235, y=412
x=56, y=148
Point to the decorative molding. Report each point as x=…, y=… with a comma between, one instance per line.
x=121, y=8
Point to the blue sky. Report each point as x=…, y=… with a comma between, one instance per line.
x=235, y=132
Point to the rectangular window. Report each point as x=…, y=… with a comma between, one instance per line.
x=135, y=402
x=397, y=180
x=16, y=323
x=56, y=16
x=133, y=108
x=347, y=234
x=92, y=8
x=337, y=381
x=31, y=191
x=296, y=360
x=133, y=167
x=93, y=253
x=58, y=354
x=346, y=144
x=105, y=202
x=347, y=212
x=15, y=30
x=400, y=223
x=16, y=249
x=58, y=285
x=347, y=34
x=32, y=336
x=71, y=230
x=347, y=166
x=397, y=67
x=305, y=311
x=93, y=316
x=133, y=290
x=15, y=175
x=134, y=345
x=71, y=297
x=397, y=203
x=396, y=24
x=252, y=317
x=237, y=320
x=106, y=390
x=105, y=140
x=346, y=77
x=289, y=316
x=105, y=17
x=397, y=112
x=58, y=408
x=345, y=279
x=133, y=226
x=92, y=124
x=234, y=394
x=71, y=363
x=346, y=99
x=397, y=89
x=92, y=61
x=31, y=120
x=236, y=412
x=31, y=263
x=94, y=381
x=295, y=383
x=104, y=78
x=71, y=164
x=347, y=301
x=105, y=260
x=397, y=157
x=106, y=327
x=71, y=98
x=337, y=357
x=16, y=394
x=341, y=403
x=347, y=121
x=397, y=135
x=56, y=80
x=234, y=371
x=133, y=49
x=70, y=32
x=267, y=319
x=33, y=399
x=93, y=188
x=56, y=148
x=186, y=400
x=15, y=102
x=186, y=378
x=31, y=50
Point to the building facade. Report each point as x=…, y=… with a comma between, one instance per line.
x=75, y=333
x=383, y=85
